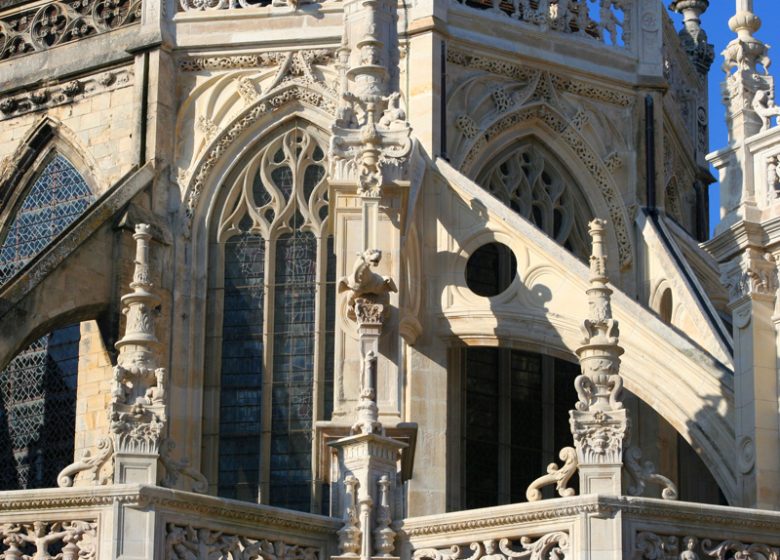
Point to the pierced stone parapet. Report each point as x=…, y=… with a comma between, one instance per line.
x=188, y=542
x=652, y=546
x=552, y=546
x=609, y=23
x=75, y=539
x=56, y=23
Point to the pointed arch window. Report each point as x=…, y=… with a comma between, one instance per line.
x=277, y=307
x=38, y=411
x=531, y=181
x=38, y=386
x=55, y=200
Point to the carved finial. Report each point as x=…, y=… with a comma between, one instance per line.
x=599, y=423
x=743, y=56
x=692, y=36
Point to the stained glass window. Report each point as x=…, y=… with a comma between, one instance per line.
x=57, y=197
x=282, y=193
x=242, y=367
x=38, y=411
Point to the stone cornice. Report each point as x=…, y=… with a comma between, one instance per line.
x=503, y=518
x=163, y=499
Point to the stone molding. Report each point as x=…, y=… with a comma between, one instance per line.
x=62, y=93
x=55, y=23
x=300, y=61
x=162, y=499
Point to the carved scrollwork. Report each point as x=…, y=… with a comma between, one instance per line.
x=190, y=543
x=644, y=473
x=559, y=476
x=92, y=464
x=552, y=546
x=56, y=23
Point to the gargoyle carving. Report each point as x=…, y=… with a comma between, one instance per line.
x=363, y=281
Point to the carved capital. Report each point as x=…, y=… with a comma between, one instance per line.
x=751, y=275
x=599, y=436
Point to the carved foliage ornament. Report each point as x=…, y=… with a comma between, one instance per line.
x=191, y=543
x=56, y=23
x=552, y=546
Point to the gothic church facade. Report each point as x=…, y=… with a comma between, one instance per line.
x=430, y=279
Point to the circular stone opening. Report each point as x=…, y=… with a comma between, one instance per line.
x=490, y=269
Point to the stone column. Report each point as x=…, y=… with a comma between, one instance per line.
x=751, y=279
x=599, y=422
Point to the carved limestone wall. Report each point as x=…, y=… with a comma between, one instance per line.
x=94, y=113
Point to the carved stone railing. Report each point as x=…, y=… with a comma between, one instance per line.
x=606, y=21
x=282, y=5
x=124, y=521
x=625, y=528
x=27, y=30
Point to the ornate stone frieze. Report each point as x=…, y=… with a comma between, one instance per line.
x=653, y=546
x=523, y=74
x=753, y=273
x=76, y=539
x=559, y=476
x=644, y=473
x=56, y=23
x=185, y=542
x=55, y=94
x=552, y=546
x=225, y=138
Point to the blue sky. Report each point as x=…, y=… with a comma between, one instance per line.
x=715, y=23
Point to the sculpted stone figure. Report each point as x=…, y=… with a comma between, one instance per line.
x=364, y=281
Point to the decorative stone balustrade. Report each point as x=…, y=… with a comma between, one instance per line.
x=27, y=30
x=606, y=21
x=597, y=527
x=199, y=5
x=151, y=522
